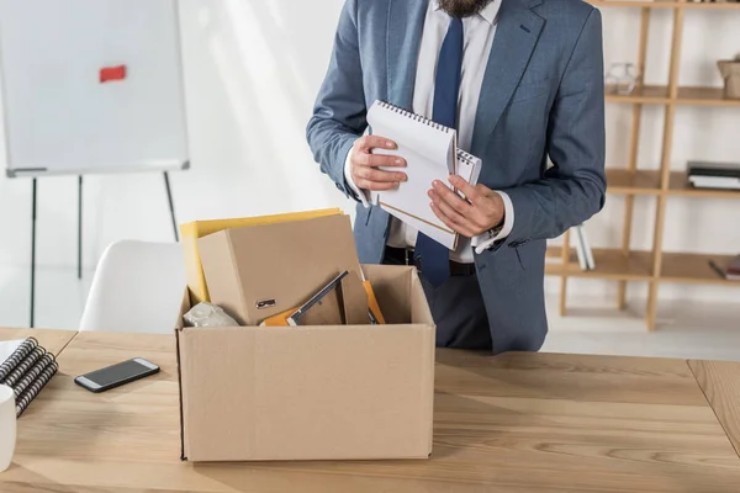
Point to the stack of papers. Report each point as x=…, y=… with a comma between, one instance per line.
x=431, y=153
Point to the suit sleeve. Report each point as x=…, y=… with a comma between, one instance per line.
x=573, y=190
x=339, y=115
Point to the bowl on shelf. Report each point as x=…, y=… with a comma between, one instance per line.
x=730, y=70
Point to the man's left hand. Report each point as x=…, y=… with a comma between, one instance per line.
x=482, y=211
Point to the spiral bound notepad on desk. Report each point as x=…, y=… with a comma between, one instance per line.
x=431, y=153
x=27, y=370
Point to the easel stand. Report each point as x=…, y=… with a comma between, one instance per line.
x=79, y=233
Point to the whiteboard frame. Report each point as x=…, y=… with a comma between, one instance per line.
x=36, y=171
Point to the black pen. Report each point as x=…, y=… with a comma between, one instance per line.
x=717, y=269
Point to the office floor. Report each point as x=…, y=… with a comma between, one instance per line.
x=687, y=329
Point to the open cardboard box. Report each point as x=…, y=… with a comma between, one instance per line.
x=323, y=392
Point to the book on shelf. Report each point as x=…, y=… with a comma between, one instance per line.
x=713, y=169
x=583, y=249
x=715, y=182
x=731, y=272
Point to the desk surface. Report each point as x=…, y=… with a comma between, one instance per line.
x=517, y=422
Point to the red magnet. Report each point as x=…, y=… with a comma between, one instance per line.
x=110, y=74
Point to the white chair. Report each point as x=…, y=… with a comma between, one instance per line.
x=138, y=287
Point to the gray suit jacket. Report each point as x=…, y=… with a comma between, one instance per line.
x=542, y=95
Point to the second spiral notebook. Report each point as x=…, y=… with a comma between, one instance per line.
x=26, y=367
x=431, y=153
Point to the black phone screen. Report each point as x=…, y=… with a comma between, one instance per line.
x=118, y=372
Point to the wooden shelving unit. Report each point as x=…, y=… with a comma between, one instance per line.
x=654, y=267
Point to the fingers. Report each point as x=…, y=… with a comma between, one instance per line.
x=466, y=188
x=451, y=199
x=375, y=160
x=366, y=167
x=374, y=174
x=451, y=209
x=368, y=176
x=451, y=223
x=375, y=186
x=484, y=211
x=369, y=142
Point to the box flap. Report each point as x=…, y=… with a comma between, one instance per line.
x=354, y=301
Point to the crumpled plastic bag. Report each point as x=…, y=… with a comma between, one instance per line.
x=208, y=315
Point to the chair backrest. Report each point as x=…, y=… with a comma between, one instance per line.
x=138, y=287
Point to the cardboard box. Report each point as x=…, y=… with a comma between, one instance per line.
x=323, y=392
x=259, y=271
x=191, y=232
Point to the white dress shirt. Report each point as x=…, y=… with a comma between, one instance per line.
x=479, y=32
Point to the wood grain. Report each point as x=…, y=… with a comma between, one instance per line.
x=517, y=422
x=611, y=264
x=52, y=340
x=720, y=382
x=678, y=267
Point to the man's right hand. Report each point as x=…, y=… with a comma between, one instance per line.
x=365, y=165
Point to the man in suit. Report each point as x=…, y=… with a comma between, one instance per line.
x=521, y=81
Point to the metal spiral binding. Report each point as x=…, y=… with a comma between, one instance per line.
x=465, y=157
x=17, y=357
x=33, y=390
x=33, y=373
x=12, y=379
x=415, y=117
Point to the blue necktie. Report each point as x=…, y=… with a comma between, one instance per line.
x=433, y=257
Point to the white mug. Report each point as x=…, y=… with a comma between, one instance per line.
x=7, y=426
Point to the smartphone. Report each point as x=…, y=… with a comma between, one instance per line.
x=115, y=375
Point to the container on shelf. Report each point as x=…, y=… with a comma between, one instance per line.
x=730, y=70
x=622, y=78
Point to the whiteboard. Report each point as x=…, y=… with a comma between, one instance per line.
x=59, y=117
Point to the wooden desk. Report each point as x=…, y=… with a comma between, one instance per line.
x=53, y=340
x=518, y=422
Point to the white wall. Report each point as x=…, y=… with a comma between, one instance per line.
x=252, y=71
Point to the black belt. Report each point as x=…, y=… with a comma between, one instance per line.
x=405, y=256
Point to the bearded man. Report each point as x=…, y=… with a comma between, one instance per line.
x=521, y=81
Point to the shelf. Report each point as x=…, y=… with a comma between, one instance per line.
x=679, y=186
x=659, y=95
x=641, y=95
x=694, y=268
x=711, y=6
x=640, y=182
x=673, y=98
x=705, y=96
x=665, y=4
x=647, y=182
x=610, y=264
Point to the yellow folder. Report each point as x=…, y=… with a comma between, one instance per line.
x=190, y=232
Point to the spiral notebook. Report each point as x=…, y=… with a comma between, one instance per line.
x=27, y=368
x=431, y=153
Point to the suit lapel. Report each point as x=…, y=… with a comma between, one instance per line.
x=516, y=37
x=404, y=29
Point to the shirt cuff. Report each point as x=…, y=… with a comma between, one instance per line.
x=483, y=242
x=359, y=194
